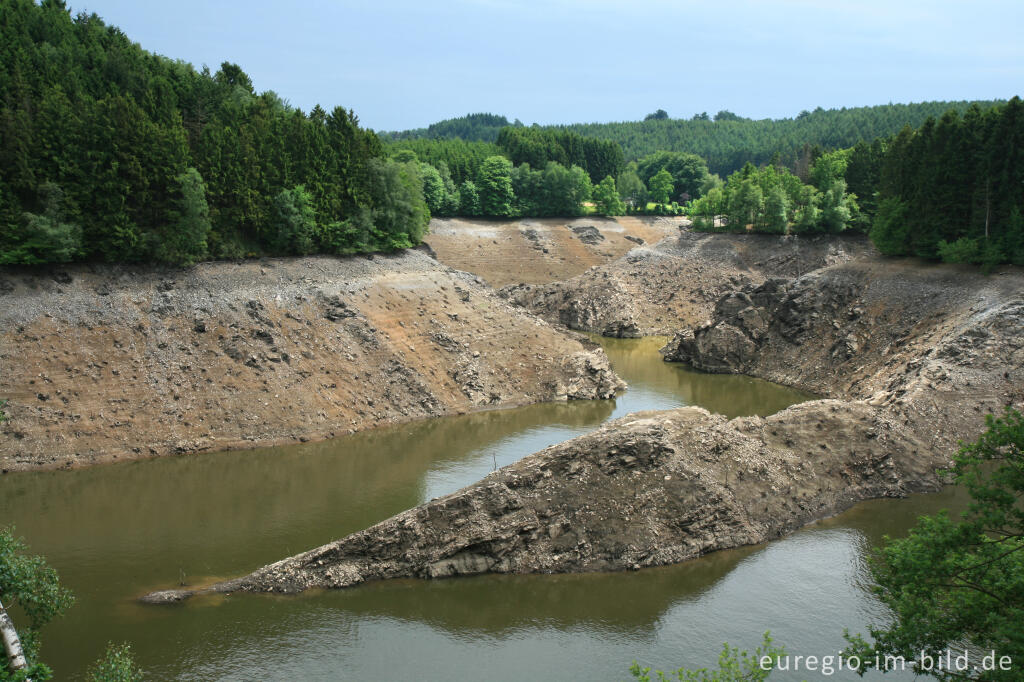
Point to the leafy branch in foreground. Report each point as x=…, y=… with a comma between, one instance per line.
x=957, y=583
x=30, y=584
x=733, y=666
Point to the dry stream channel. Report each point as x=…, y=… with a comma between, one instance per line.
x=115, y=532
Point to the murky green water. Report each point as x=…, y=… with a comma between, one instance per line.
x=118, y=531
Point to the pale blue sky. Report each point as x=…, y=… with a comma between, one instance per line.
x=404, y=64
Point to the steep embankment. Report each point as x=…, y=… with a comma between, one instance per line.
x=117, y=362
x=648, y=489
x=539, y=250
x=937, y=346
x=659, y=289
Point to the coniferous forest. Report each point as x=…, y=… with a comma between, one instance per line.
x=111, y=153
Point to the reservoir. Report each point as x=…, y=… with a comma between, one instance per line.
x=116, y=532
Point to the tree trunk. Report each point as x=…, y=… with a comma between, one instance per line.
x=12, y=643
x=988, y=206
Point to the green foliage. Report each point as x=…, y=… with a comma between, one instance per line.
x=689, y=172
x=472, y=127
x=961, y=581
x=659, y=115
x=435, y=190
x=733, y=666
x=494, y=184
x=606, y=198
x=469, y=199
x=294, y=221
x=773, y=200
x=537, y=147
x=29, y=583
x=42, y=238
x=400, y=216
x=889, y=229
x=3, y=414
x=661, y=186
x=158, y=161
x=952, y=188
x=730, y=141
x=631, y=188
x=462, y=159
x=117, y=665
x=184, y=242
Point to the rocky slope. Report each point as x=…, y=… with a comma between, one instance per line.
x=657, y=289
x=936, y=345
x=539, y=250
x=102, y=363
x=648, y=489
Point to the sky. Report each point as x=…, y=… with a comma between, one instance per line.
x=405, y=64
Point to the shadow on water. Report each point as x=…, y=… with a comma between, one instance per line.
x=117, y=531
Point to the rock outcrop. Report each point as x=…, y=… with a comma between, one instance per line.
x=649, y=489
x=938, y=346
x=102, y=363
x=675, y=283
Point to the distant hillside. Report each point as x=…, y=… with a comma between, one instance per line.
x=728, y=144
x=471, y=128
x=729, y=141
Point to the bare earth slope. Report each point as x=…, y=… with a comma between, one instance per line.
x=656, y=289
x=539, y=250
x=649, y=489
x=108, y=363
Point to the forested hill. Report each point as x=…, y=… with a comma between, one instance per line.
x=109, y=152
x=726, y=140
x=471, y=128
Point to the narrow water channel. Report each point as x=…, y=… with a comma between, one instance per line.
x=115, y=532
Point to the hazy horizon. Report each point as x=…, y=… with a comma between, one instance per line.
x=403, y=65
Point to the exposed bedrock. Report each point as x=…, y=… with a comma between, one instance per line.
x=938, y=346
x=676, y=282
x=649, y=489
x=119, y=362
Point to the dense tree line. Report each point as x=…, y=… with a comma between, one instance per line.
x=498, y=189
x=493, y=186
x=112, y=153
x=771, y=199
x=954, y=188
x=471, y=128
x=462, y=159
x=537, y=146
x=729, y=141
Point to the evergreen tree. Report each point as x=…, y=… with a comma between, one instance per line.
x=294, y=221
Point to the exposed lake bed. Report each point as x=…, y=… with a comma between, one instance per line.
x=125, y=529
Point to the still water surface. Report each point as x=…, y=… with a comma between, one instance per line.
x=115, y=532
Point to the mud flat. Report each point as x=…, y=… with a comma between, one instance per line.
x=649, y=489
x=540, y=250
x=661, y=287
x=110, y=363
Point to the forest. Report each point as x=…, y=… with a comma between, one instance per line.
x=111, y=153
x=954, y=188
x=728, y=141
